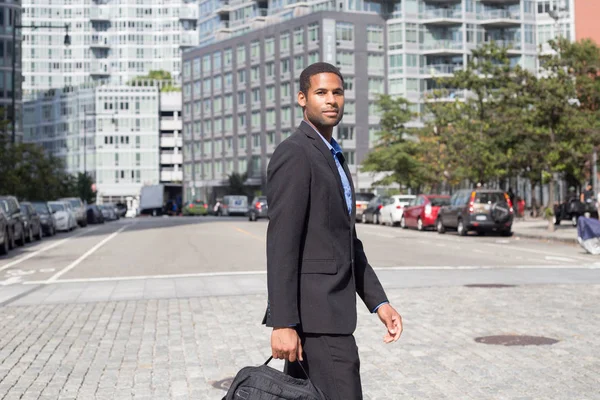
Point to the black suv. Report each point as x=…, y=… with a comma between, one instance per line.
x=480, y=210
x=16, y=225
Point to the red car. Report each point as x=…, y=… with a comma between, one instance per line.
x=422, y=212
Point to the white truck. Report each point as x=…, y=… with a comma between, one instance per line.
x=152, y=199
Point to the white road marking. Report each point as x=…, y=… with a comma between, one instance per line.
x=11, y=280
x=50, y=247
x=85, y=255
x=563, y=259
x=263, y=273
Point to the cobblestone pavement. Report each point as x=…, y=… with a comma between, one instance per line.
x=176, y=348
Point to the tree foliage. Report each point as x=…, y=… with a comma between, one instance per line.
x=492, y=120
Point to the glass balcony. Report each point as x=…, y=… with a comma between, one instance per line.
x=441, y=17
x=499, y=19
x=435, y=70
x=442, y=47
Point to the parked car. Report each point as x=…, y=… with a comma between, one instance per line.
x=422, y=212
x=234, y=205
x=4, y=234
x=481, y=210
x=46, y=217
x=32, y=221
x=391, y=213
x=371, y=213
x=108, y=212
x=94, y=215
x=121, y=209
x=196, y=207
x=78, y=208
x=572, y=209
x=362, y=200
x=12, y=210
x=65, y=219
x=258, y=208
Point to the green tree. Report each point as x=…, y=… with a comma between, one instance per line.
x=397, y=153
x=236, y=184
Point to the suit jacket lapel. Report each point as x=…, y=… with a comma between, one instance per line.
x=322, y=147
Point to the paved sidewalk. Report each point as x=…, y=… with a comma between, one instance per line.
x=538, y=229
x=177, y=348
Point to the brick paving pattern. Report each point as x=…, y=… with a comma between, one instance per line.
x=176, y=348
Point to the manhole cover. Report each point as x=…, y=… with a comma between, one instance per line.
x=516, y=340
x=489, y=285
x=223, y=384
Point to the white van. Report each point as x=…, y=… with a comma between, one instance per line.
x=234, y=205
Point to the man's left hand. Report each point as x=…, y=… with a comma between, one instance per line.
x=392, y=321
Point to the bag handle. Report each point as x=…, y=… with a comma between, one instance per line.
x=305, y=374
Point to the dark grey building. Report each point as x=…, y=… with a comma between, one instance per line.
x=10, y=15
x=239, y=95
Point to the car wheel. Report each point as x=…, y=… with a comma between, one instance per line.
x=30, y=236
x=21, y=241
x=574, y=220
x=507, y=232
x=363, y=219
x=13, y=241
x=4, y=248
x=462, y=230
x=40, y=234
x=420, y=226
x=403, y=223
x=440, y=226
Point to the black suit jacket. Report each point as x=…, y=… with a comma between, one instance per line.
x=315, y=262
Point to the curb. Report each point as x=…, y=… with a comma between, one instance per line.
x=547, y=238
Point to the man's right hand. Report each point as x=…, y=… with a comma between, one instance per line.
x=285, y=344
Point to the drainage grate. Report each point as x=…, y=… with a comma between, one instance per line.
x=223, y=384
x=516, y=340
x=489, y=285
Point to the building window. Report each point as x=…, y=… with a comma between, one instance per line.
x=313, y=32
x=255, y=74
x=285, y=65
x=241, y=98
x=269, y=47
x=255, y=50
x=375, y=62
x=270, y=118
x=345, y=58
x=217, y=61
x=186, y=69
x=412, y=33
x=197, y=67
x=270, y=93
x=241, y=76
x=284, y=42
x=299, y=37
x=395, y=35
x=285, y=92
x=376, y=86
x=396, y=86
x=346, y=132
x=349, y=83
x=206, y=64
x=349, y=156
x=227, y=58
x=396, y=63
x=344, y=31
x=241, y=55
x=286, y=115
x=270, y=69
x=255, y=120
x=313, y=57
x=298, y=63
x=349, y=108
x=256, y=95
x=375, y=35
x=256, y=141
x=412, y=61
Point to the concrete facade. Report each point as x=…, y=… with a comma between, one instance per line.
x=239, y=95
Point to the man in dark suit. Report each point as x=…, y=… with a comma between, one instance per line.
x=315, y=263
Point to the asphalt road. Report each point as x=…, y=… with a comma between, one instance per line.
x=150, y=247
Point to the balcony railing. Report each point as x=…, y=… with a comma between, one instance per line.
x=442, y=44
x=441, y=13
x=440, y=69
x=444, y=94
x=508, y=44
x=499, y=14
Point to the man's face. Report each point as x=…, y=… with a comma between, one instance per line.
x=324, y=102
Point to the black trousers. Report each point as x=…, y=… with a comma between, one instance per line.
x=332, y=364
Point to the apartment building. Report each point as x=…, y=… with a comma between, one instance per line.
x=110, y=132
x=111, y=40
x=397, y=47
x=10, y=15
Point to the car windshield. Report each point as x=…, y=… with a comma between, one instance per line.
x=41, y=208
x=439, y=201
x=405, y=199
x=74, y=203
x=57, y=207
x=364, y=196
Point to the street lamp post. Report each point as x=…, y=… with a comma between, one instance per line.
x=14, y=67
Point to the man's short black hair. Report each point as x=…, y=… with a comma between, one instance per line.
x=315, y=69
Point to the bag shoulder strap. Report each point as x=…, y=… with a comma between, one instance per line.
x=305, y=374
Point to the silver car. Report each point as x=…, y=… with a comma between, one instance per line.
x=78, y=208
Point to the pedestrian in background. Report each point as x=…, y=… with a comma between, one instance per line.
x=315, y=262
